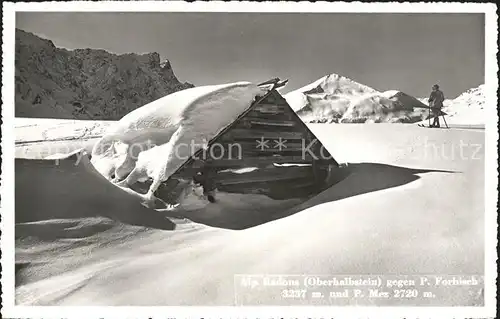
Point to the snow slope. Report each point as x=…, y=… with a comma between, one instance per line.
x=37, y=138
x=467, y=108
x=337, y=99
x=413, y=204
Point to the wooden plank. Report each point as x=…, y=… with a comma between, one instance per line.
x=267, y=153
x=276, y=171
x=264, y=108
x=249, y=160
x=254, y=152
x=284, y=151
x=276, y=189
x=190, y=171
x=245, y=145
x=270, y=112
x=236, y=134
x=270, y=126
x=262, y=186
x=262, y=189
x=275, y=128
x=259, y=160
x=263, y=175
x=274, y=116
x=239, y=148
x=268, y=108
x=262, y=121
x=272, y=98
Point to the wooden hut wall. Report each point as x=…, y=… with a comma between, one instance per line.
x=270, y=121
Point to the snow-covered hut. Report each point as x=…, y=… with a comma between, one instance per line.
x=258, y=146
x=266, y=150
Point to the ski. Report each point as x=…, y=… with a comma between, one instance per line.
x=427, y=126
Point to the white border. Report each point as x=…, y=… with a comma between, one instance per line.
x=246, y=6
x=7, y=189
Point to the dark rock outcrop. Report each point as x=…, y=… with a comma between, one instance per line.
x=93, y=84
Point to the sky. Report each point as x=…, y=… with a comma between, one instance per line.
x=386, y=51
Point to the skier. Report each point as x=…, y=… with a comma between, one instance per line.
x=436, y=103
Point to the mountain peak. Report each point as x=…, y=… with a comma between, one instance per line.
x=336, y=98
x=336, y=84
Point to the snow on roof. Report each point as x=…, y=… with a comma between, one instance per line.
x=389, y=94
x=169, y=130
x=172, y=108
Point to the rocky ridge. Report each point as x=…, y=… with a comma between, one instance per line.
x=53, y=82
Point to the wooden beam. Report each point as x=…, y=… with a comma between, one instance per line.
x=263, y=175
x=246, y=145
x=265, y=108
x=261, y=112
x=259, y=160
x=262, y=121
x=235, y=134
x=275, y=116
x=281, y=189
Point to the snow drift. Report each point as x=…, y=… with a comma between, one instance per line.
x=407, y=208
x=70, y=188
x=152, y=142
x=337, y=99
x=38, y=138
